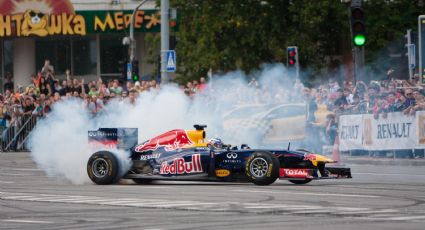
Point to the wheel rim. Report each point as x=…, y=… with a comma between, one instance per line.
x=100, y=167
x=259, y=167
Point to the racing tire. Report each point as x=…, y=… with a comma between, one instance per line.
x=142, y=181
x=262, y=168
x=102, y=168
x=305, y=181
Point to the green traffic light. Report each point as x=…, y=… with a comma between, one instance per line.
x=359, y=40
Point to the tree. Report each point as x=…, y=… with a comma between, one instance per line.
x=225, y=35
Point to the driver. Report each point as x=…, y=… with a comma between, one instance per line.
x=215, y=143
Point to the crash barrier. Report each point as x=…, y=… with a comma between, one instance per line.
x=395, y=131
x=16, y=135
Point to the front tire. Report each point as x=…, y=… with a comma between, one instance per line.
x=262, y=168
x=102, y=168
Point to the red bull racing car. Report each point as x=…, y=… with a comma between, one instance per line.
x=185, y=155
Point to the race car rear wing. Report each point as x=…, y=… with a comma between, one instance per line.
x=120, y=138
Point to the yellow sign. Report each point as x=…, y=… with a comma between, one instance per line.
x=222, y=172
x=33, y=22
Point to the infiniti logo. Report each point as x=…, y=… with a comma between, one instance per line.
x=232, y=155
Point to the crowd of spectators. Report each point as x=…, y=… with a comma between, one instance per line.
x=45, y=89
x=376, y=97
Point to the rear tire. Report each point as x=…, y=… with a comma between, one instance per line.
x=262, y=168
x=102, y=168
x=305, y=181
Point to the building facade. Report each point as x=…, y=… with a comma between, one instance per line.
x=83, y=36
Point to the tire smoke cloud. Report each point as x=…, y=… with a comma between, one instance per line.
x=59, y=143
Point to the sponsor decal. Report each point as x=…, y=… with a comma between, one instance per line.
x=309, y=157
x=170, y=141
x=150, y=156
x=231, y=158
x=102, y=134
x=294, y=173
x=179, y=166
x=222, y=172
x=269, y=171
x=103, y=143
x=232, y=155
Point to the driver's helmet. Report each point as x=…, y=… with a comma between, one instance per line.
x=216, y=143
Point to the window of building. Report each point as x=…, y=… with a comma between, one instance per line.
x=76, y=54
x=8, y=57
x=112, y=53
x=57, y=50
x=85, y=56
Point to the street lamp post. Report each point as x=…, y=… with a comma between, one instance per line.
x=165, y=38
x=132, y=40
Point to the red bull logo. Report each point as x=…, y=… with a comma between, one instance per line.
x=179, y=166
x=171, y=140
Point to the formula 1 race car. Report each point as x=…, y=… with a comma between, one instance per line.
x=185, y=155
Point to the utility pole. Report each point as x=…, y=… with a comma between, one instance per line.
x=165, y=38
x=411, y=56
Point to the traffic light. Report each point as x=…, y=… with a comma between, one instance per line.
x=358, y=26
x=292, y=53
x=135, y=70
x=122, y=68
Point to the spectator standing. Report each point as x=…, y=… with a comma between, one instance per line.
x=8, y=84
x=47, y=68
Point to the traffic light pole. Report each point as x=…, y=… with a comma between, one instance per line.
x=165, y=38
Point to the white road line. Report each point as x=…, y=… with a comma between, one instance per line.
x=19, y=169
x=186, y=203
x=308, y=193
x=407, y=218
x=367, y=212
x=28, y=221
x=389, y=174
x=15, y=174
x=6, y=182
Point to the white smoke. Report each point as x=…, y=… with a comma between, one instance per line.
x=59, y=143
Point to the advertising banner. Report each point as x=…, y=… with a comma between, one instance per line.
x=351, y=132
x=394, y=132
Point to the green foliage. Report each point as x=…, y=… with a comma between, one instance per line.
x=225, y=35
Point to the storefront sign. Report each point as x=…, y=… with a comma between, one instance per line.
x=119, y=21
x=42, y=18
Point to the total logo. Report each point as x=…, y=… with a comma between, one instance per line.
x=179, y=166
x=294, y=173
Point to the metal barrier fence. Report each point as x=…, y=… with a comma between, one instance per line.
x=15, y=136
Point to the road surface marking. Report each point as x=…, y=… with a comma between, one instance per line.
x=308, y=193
x=390, y=174
x=28, y=221
x=292, y=209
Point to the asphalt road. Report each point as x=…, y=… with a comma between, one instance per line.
x=378, y=197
